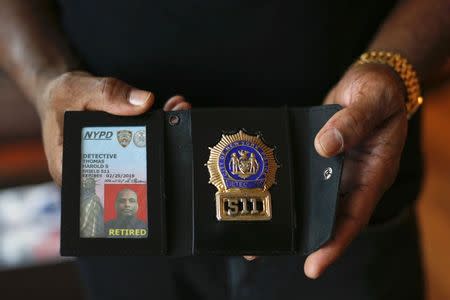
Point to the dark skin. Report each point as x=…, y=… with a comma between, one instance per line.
x=370, y=130
x=126, y=204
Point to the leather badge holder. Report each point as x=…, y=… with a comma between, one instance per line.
x=225, y=181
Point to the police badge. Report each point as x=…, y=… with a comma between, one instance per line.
x=243, y=169
x=124, y=137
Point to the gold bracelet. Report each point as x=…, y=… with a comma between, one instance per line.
x=404, y=70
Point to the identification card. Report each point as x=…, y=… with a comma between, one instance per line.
x=113, y=191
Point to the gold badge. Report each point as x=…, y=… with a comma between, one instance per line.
x=243, y=169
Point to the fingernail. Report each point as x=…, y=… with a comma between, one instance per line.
x=178, y=106
x=139, y=97
x=331, y=141
x=249, y=258
x=182, y=106
x=311, y=271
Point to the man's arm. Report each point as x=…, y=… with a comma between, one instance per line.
x=420, y=31
x=32, y=48
x=371, y=128
x=35, y=54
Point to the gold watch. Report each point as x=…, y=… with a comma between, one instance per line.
x=404, y=70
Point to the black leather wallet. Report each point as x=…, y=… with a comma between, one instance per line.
x=222, y=181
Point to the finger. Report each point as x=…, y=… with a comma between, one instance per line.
x=350, y=126
x=250, y=258
x=53, y=144
x=348, y=227
x=368, y=98
x=53, y=152
x=55, y=164
x=173, y=102
x=113, y=96
x=182, y=106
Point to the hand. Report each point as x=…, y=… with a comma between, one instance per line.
x=82, y=91
x=371, y=131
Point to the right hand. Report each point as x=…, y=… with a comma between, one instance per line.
x=79, y=91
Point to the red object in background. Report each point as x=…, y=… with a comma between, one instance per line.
x=111, y=191
x=23, y=162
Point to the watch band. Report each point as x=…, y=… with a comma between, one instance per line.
x=243, y=213
x=406, y=72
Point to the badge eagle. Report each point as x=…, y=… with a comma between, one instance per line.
x=242, y=168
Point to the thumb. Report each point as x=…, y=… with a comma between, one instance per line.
x=348, y=128
x=116, y=97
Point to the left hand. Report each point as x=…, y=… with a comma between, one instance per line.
x=371, y=131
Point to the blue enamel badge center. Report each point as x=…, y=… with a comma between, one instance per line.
x=242, y=168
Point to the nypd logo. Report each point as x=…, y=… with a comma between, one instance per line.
x=98, y=135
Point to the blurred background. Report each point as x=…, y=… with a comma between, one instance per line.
x=30, y=203
x=30, y=265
